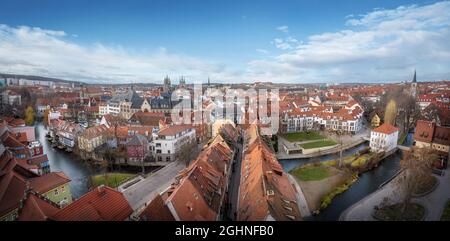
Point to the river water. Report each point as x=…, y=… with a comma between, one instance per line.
x=367, y=183
x=78, y=171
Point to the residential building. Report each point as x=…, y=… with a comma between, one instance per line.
x=137, y=150
x=347, y=119
x=101, y=204
x=125, y=105
x=42, y=163
x=265, y=191
x=199, y=191
x=35, y=148
x=17, y=180
x=172, y=141
x=67, y=133
x=429, y=134
x=36, y=207
x=384, y=138
x=54, y=186
x=92, y=137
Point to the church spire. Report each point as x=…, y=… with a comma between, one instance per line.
x=414, y=78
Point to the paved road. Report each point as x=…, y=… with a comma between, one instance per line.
x=142, y=192
x=235, y=179
x=436, y=200
x=301, y=200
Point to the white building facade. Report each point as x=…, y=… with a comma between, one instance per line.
x=384, y=138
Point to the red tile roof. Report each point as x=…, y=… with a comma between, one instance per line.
x=157, y=211
x=424, y=131
x=101, y=204
x=36, y=208
x=200, y=190
x=386, y=129
x=265, y=189
x=429, y=132
x=12, y=189
x=148, y=118
x=94, y=131
x=37, y=160
x=48, y=182
x=174, y=129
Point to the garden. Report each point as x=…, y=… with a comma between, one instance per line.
x=318, y=144
x=302, y=136
x=111, y=179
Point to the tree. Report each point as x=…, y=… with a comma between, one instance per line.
x=410, y=109
x=391, y=112
x=431, y=113
x=29, y=116
x=417, y=166
x=46, y=112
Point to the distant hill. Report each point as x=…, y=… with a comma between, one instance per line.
x=32, y=77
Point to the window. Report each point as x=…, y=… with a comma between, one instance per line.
x=56, y=192
x=63, y=189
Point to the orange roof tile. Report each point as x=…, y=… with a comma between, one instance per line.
x=48, y=182
x=386, y=129
x=35, y=208
x=101, y=204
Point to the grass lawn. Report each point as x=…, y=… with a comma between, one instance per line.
x=446, y=212
x=114, y=179
x=360, y=161
x=302, y=136
x=317, y=144
x=311, y=173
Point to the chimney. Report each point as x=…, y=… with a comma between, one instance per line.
x=101, y=189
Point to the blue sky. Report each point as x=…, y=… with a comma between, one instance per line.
x=231, y=41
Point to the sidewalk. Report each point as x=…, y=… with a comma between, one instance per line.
x=281, y=155
x=433, y=202
x=301, y=200
x=348, y=141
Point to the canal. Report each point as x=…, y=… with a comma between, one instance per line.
x=367, y=183
x=78, y=171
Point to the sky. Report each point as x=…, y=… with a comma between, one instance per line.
x=228, y=41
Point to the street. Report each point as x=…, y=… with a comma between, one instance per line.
x=144, y=191
x=235, y=179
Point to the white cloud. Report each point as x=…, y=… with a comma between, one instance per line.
x=37, y=51
x=383, y=45
x=262, y=51
x=284, y=29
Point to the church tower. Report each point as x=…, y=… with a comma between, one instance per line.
x=167, y=84
x=414, y=85
x=82, y=94
x=182, y=83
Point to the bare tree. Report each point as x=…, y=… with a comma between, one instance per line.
x=431, y=113
x=417, y=166
x=410, y=109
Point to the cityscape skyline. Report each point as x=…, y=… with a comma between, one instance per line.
x=367, y=42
